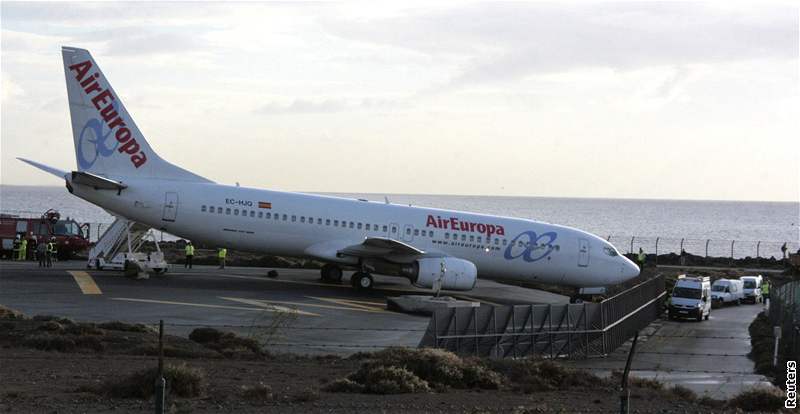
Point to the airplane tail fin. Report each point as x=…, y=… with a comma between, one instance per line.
x=107, y=140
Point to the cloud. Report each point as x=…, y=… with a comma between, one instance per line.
x=305, y=106
x=508, y=42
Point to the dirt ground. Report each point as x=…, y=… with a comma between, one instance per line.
x=53, y=365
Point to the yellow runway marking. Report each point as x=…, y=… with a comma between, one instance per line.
x=263, y=302
x=261, y=308
x=352, y=304
x=85, y=282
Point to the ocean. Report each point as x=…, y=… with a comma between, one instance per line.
x=744, y=223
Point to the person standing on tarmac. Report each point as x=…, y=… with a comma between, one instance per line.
x=765, y=290
x=223, y=252
x=17, y=246
x=41, y=253
x=23, y=250
x=783, y=250
x=189, y=255
x=51, y=250
x=641, y=258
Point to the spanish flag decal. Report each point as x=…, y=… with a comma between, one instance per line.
x=264, y=204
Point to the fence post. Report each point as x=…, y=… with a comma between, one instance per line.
x=758, y=250
x=657, y=250
x=608, y=239
x=732, y=242
x=707, y=240
x=632, y=238
x=160, y=381
x=624, y=398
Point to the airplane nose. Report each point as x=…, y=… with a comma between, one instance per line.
x=629, y=270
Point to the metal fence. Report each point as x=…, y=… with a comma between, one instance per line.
x=569, y=330
x=736, y=249
x=784, y=311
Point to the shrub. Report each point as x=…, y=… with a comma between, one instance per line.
x=259, y=391
x=306, y=395
x=683, y=393
x=182, y=380
x=125, y=327
x=343, y=385
x=83, y=329
x=50, y=342
x=758, y=399
x=8, y=313
x=45, y=318
x=389, y=380
x=224, y=342
x=529, y=375
x=51, y=326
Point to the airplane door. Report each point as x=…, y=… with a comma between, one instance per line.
x=583, y=252
x=408, y=232
x=170, y=206
x=393, y=228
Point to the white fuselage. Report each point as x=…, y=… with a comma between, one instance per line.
x=302, y=225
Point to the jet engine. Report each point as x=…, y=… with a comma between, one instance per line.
x=455, y=274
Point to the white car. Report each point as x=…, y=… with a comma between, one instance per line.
x=727, y=291
x=752, y=288
x=691, y=298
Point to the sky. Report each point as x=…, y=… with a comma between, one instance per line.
x=677, y=100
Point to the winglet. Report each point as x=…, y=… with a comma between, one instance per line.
x=55, y=171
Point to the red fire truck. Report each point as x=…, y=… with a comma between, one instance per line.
x=69, y=236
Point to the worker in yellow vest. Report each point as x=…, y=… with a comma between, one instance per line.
x=189, y=255
x=51, y=251
x=223, y=252
x=765, y=290
x=23, y=250
x=641, y=258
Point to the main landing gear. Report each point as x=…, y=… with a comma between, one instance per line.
x=331, y=273
x=362, y=280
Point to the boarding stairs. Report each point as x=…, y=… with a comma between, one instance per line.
x=120, y=246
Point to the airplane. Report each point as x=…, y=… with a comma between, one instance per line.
x=433, y=248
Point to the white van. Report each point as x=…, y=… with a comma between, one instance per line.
x=727, y=292
x=691, y=298
x=752, y=288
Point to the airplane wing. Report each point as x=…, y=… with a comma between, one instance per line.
x=371, y=247
x=381, y=246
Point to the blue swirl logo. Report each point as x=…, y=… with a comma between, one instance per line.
x=533, y=247
x=92, y=143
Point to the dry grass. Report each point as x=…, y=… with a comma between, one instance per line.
x=182, y=380
x=758, y=399
x=258, y=392
x=530, y=375
x=226, y=343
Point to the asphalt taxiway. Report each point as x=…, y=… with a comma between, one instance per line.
x=298, y=311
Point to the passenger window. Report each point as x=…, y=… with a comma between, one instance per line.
x=424, y=233
x=416, y=232
x=496, y=241
x=219, y=210
x=408, y=231
x=236, y=212
x=430, y=233
x=327, y=222
x=302, y=219
x=252, y=213
x=260, y=214
x=203, y=208
x=244, y=213
x=385, y=228
x=359, y=226
x=367, y=226
x=351, y=224
x=447, y=236
x=211, y=209
x=311, y=220
x=463, y=237
x=294, y=218
x=472, y=238
x=228, y=211
x=269, y=215
x=285, y=217
x=336, y=223
x=479, y=239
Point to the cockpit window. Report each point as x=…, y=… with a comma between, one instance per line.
x=610, y=251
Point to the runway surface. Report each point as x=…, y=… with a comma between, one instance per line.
x=708, y=357
x=296, y=311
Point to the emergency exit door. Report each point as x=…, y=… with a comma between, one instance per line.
x=170, y=206
x=583, y=252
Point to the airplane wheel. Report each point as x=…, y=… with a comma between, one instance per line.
x=362, y=281
x=331, y=273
